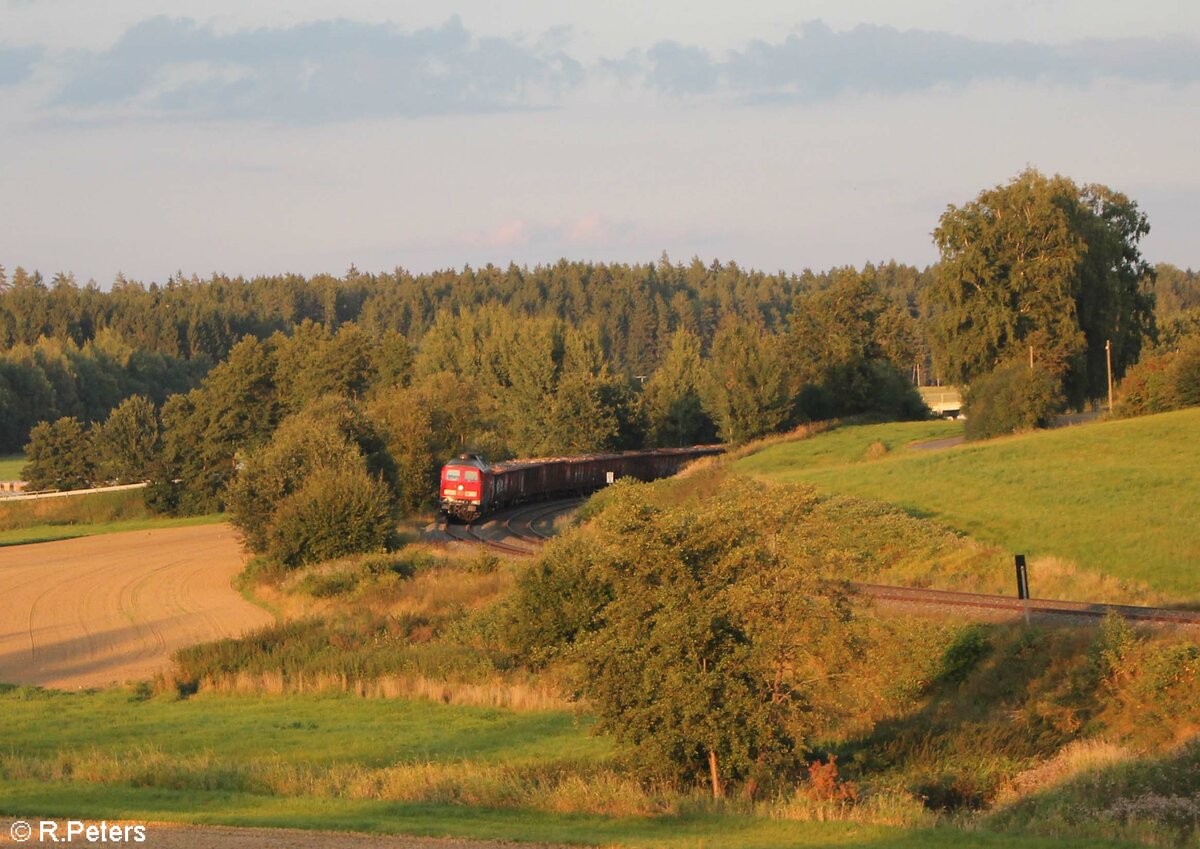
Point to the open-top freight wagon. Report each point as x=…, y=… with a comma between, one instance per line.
x=471, y=487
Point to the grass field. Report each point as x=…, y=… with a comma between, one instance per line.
x=846, y=445
x=1116, y=497
x=49, y=533
x=47, y=519
x=686, y=831
x=10, y=467
x=340, y=763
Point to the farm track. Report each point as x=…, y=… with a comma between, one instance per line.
x=514, y=532
x=178, y=836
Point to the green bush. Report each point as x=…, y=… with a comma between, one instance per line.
x=336, y=512
x=342, y=577
x=1168, y=381
x=556, y=600
x=323, y=464
x=1014, y=397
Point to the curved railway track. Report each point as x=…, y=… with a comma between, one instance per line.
x=521, y=537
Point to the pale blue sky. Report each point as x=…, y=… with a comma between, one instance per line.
x=144, y=137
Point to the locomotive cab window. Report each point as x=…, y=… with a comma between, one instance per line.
x=451, y=474
x=470, y=476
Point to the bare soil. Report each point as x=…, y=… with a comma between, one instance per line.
x=107, y=609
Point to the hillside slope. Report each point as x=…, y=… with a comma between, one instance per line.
x=1119, y=497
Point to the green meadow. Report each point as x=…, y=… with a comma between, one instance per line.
x=10, y=467
x=372, y=765
x=1116, y=497
x=50, y=533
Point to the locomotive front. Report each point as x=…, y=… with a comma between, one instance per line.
x=464, y=487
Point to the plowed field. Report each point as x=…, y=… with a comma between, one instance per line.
x=97, y=610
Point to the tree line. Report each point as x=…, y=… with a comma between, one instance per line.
x=54, y=378
x=505, y=384
x=582, y=356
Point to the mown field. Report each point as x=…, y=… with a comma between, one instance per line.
x=385, y=766
x=1116, y=497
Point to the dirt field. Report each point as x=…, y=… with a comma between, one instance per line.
x=92, y=611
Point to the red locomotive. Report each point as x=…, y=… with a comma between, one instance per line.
x=471, y=487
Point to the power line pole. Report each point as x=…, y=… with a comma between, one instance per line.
x=1108, y=358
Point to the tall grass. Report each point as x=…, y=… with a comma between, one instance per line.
x=941, y=720
x=1155, y=801
x=98, y=508
x=412, y=624
x=44, y=520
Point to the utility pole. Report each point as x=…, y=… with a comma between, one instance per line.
x=1031, y=358
x=1108, y=358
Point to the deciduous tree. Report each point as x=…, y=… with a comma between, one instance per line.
x=128, y=443
x=1041, y=262
x=60, y=456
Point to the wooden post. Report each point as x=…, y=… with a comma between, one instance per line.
x=718, y=791
x=1108, y=357
x=1031, y=358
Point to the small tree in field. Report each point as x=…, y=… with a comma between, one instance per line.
x=705, y=636
x=324, y=476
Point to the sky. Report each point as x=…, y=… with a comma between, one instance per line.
x=147, y=139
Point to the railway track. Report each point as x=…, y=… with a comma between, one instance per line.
x=522, y=537
x=1040, y=607
x=523, y=522
x=471, y=534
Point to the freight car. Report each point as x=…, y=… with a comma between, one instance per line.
x=471, y=487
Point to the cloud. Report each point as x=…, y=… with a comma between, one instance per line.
x=316, y=72
x=16, y=63
x=589, y=229
x=332, y=71
x=680, y=69
x=504, y=235
x=818, y=63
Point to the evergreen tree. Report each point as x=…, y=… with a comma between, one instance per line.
x=744, y=385
x=674, y=413
x=403, y=417
x=582, y=416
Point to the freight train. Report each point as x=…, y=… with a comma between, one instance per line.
x=471, y=487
